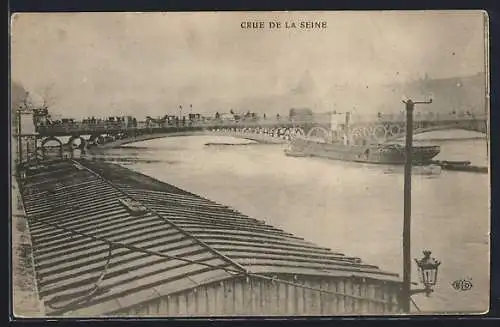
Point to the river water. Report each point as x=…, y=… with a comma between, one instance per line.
x=353, y=208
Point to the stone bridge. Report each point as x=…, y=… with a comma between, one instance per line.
x=360, y=131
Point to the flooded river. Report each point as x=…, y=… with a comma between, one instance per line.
x=352, y=208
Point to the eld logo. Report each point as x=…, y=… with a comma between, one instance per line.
x=462, y=284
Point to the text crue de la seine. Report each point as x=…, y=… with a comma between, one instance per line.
x=283, y=25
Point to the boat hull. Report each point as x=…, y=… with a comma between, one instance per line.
x=377, y=154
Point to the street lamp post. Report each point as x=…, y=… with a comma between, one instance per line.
x=406, y=287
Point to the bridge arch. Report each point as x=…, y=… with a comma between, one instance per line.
x=50, y=139
x=92, y=140
x=81, y=145
x=380, y=133
x=100, y=139
x=428, y=129
x=319, y=132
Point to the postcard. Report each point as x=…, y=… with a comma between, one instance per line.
x=230, y=164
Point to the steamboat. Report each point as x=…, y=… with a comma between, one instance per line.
x=384, y=153
x=377, y=153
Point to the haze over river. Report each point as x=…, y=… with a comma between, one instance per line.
x=349, y=207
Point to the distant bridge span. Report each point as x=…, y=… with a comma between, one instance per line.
x=271, y=136
x=260, y=138
x=386, y=131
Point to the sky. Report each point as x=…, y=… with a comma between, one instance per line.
x=150, y=63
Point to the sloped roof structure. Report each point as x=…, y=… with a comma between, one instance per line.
x=94, y=254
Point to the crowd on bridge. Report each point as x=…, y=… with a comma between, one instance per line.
x=285, y=133
x=115, y=121
x=128, y=121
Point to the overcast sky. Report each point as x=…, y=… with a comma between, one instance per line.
x=149, y=63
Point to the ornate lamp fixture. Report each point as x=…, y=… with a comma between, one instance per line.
x=428, y=272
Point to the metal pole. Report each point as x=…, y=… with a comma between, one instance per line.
x=407, y=209
x=19, y=141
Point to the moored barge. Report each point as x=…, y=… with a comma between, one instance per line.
x=374, y=153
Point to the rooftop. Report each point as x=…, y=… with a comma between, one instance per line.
x=94, y=255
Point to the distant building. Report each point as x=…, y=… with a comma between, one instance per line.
x=301, y=115
x=453, y=94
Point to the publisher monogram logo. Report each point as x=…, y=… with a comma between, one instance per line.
x=462, y=284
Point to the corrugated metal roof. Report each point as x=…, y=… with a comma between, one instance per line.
x=72, y=210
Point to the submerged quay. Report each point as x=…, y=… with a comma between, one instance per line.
x=113, y=242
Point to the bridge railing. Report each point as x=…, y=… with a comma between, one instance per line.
x=78, y=127
x=115, y=127
x=105, y=127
